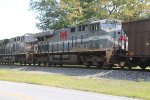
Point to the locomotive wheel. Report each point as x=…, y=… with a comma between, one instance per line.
x=110, y=66
x=122, y=65
x=60, y=65
x=39, y=63
x=88, y=66
x=21, y=63
x=24, y=63
x=100, y=64
x=143, y=66
x=44, y=63
x=54, y=65
x=129, y=65
x=34, y=63
x=49, y=64
x=89, y=63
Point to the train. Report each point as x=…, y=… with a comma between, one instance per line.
x=106, y=42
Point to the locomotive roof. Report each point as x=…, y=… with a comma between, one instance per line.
x=45, y=33
x=106, y=21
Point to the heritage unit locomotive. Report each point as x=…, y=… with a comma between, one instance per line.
x=93, y=43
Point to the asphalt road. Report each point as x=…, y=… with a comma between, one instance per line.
x=23, y=91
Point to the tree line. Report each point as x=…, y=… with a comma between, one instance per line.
x=55, y=14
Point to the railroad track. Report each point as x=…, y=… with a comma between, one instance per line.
x=84, y=67
x=84, y=72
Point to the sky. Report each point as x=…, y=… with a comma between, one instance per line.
x=16, y=19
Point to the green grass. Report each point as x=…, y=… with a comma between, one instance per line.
x=132, y=89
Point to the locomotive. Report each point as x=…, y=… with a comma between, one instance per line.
x=99, y=43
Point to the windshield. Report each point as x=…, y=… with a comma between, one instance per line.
x=110, y=24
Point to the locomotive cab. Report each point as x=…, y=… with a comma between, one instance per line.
x=116, y=42
x=41, y=48
x=29, y=42
x=113, y=29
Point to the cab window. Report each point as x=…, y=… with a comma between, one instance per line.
x=73, y=29
x=94, y=27
x=82, y=28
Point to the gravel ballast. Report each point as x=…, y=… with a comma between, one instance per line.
x=86, y=73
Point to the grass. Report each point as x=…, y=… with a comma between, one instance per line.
x=132, y=89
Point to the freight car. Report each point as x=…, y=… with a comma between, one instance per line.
x=89, y=44
x=138, y=33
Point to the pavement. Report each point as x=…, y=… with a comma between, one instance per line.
x=23, y=91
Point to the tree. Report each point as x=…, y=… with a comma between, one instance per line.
x=49, y=14
x=53, y=14
x=124, y=9
x=73, y=10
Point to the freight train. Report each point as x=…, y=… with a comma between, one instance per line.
x=96, y=43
